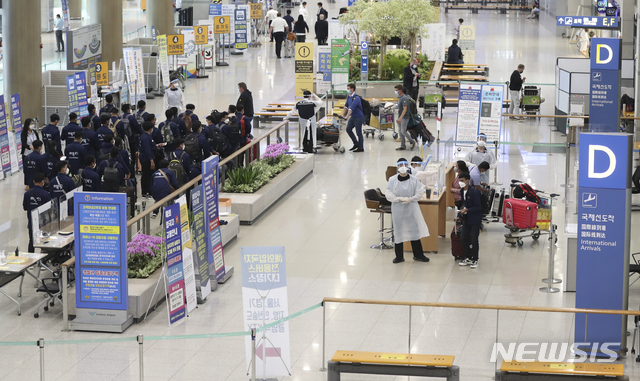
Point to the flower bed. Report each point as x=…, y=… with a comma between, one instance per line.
x=145, y=255
x=260, y=172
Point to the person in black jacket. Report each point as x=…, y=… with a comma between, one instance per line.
x=515, y=85
x=411, y=79
x=27, y=137
x=245, y=99
x=32, y=199
x=322, y=11
x=471, y=220
x=300, y=28
x=322, y=30
x=454, y=54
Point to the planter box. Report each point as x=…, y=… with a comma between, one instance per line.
x=249, y=206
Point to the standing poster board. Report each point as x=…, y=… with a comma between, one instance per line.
x=210, y=185
x=163, y=53
x=101, y=262
x=304, y=67
x=175, y=44
x=72, y=94
x=228, y=10
x=240, y=28
x=323, y=79
x=199, y=239
x=175, y=272
x=187, y=256
x=4, y=139
x=84, y=45
x=340, y=65
x=93, y=82
x=468, y=115
x=17, y=125
x=434, y=44
x=468, y=42
x=65, y=14
x=81, y=91
x=135, y=70
x=491, y=111
x=264, y=295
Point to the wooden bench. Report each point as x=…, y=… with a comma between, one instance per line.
x=290, y=104
x=453, y=70
x=480, y=78
x=559, y=371
x=269, y=117
x=394, y=364
x=465, y=65
x=277, y=109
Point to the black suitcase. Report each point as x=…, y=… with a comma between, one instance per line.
x=498, y=202
x=456, y=243
x=328, y=134
x=307, y=142
x=421, y=130
x=487, y=200
x=130, y=192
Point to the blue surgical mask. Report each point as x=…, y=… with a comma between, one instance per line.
x=396, y=91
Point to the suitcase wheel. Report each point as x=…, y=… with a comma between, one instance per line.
x=395, y=135
x=520, y=243
x=381, y=136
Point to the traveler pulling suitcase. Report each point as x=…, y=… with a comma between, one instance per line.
x=456, y=243
x=422, y=131
x=520, y=214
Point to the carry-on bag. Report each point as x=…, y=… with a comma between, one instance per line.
x=498, y=202
x=456, y=243
x=520, y=214
x=421, y=130
x=328, y=134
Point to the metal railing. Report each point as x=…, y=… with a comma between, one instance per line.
x=126, y=37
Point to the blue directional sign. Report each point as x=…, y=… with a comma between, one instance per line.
x=590, y=22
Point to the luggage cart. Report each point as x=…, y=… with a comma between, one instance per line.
x=432, y=95
x=385, y=116
x=530, y=100
x=335, y=121
x=515, y=235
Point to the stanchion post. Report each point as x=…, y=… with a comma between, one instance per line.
x=286, y=132
x=253, y=354
x=495, y=170
x=41, y=346
x=323, y=368
x=567, y=164
x=409, y=351
x=65, y=312
x=550, y=280
x=140, y=340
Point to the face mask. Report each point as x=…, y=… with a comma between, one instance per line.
x=67, y=171
x=462, y=184
x=226, y=121
x=403, y=170
x=396, y=93
x=415, y=66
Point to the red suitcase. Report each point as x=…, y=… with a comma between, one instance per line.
x=456, y=244
x=520, y=214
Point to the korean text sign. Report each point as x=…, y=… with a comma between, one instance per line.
x=175, y=273
x=210, y=186
x=604, y=91
x=603, y=234
x=17, y=124
x=101, y=250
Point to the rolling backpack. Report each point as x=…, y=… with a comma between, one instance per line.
x=192, y=147
x=176, y=166
x=111, y=178
x=167, y=134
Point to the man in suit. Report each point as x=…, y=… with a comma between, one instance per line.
x=411, y=79
x=322, y=30
x=322, y=11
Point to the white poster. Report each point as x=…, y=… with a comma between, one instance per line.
x=336, y=31
x=163, y=53
x=135, y=70
x=491, y=111
x=247, y=9
x=188, y=269
x=13, y=153
x=434, y=44
x=467, y=43
x=323, y=71
x=468, y=116
x=189, y=42
x=228, y=10
x=264, y=296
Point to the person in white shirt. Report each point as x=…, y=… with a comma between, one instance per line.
x=303, y=11
x=271, y=15
x=279, y=30
x=174, y=97
x=58, y=27
x=306, y=110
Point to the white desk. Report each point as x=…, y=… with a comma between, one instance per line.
x=17, y=267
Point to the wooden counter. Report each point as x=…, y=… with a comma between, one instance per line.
x=450, y=175
x=434, y=211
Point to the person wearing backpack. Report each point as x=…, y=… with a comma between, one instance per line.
x=62, y=183
x=134, y=126
x=146, y=158
x=103, y=153
x=245, y=126
x=180, y=162
x=33, y=198
x=112, y=172
x=196, y=145
x=104, y=129
x=93, y=117
x=164, y=182
x=354, y=112
x=70, y=129
x=51, y=158
x=218, y=141
x=124, y=157
x=170, y=132
x=90, y=178
x=141, y=114
x=106, y=110
x=51, y=132
x=76, y=153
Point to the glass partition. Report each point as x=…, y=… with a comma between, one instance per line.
x=45, y=221
x=66, y=210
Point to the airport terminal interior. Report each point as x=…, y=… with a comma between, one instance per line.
x=327, y=229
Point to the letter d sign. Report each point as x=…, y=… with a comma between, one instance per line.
x=605, y=160
x=599, y=59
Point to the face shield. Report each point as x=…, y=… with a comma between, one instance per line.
x=403, y=167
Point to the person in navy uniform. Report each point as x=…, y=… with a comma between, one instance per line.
x=107, y=108
x=51, y=158
x=90, y=178
x=33, y=198
x=62, y=184
x=69, y=131
x=164, y=182
x=471, y=215
x=123, y=157
x=51, y=131
x=146, y=159
x=35, y=162
x=136, y=129
x=76, y=153
x=184, y=159
x=93, y=117
x=89, y=137
x=114, y=162
x=104, y=129
x=175, y=131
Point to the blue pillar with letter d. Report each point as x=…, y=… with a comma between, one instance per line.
x=604, y=94
x=604, y=220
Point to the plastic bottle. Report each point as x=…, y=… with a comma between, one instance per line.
x=435, y=190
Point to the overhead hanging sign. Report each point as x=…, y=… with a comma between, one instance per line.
x=102, y=73
x=210, y=185
x=264, y=295
x=163, y=53
x=222, y=25
x=240, y=29
x=17, y=125
x=201, y=34
x=5, y=153
x=469, y=100
x=187, y=256
x=590, y=22
x=199, y=239
x=304, y=67
x=175, y=271
x=175, y=44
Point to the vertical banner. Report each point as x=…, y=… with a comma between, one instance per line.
x=5, y=154
x=241, y=30
x=468, y=115
x=304, y=67
x=210, y=183
x=604, y=102
x=81, y=91
x=72, y=94
x=340, y=65
x=199, y=238
x=434, y=45
x=164, y=59
x=154, y=34
x=65, y=14
x=94, y=83
x=17, y=125
x=491, y=111
x=467, y=42
x=604, y=227
x=323, y=81
x=187, y=256
x=264, y=295
x=189, y=52
x=228, y=10
x=364, y=60
x=175, y=273
x=101, y=257
x=135, y=70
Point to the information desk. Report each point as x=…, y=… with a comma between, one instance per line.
x=17, y=267
x=434, y=212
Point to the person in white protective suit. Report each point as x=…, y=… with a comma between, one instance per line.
x=174, y=97
x=480, y=154
x=404, y=191
x=306, y=110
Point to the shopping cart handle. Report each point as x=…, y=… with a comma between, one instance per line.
x=338, y=116
x=552, y=195
x=515, y=181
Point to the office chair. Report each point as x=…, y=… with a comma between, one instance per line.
x=373, y=199
x=53, y=288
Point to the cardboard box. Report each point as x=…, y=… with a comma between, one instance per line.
x=225, y=206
